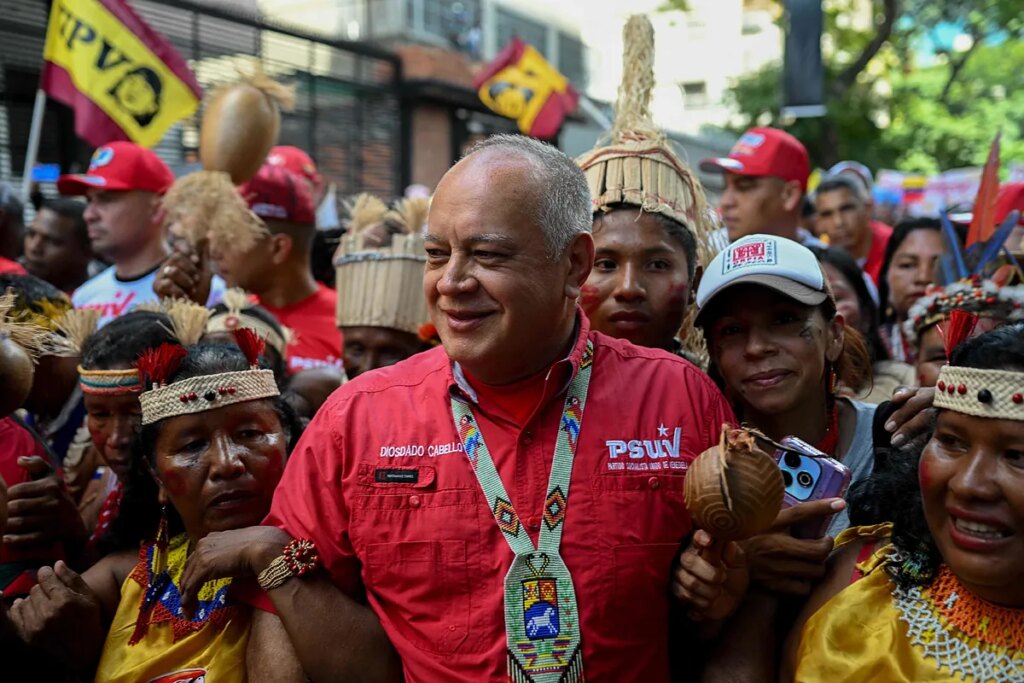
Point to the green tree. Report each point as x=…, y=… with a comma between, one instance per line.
x=886, y=111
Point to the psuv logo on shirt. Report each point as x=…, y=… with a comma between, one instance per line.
x=760, y=253
x=658, y=453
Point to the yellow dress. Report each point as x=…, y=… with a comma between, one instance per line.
x=874, y=631
x=165, y=646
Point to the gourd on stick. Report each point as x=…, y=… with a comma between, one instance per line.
x=734, y=490
x=240, y=125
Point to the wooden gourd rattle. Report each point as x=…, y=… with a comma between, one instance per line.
x=240, y=124
x=733, y=490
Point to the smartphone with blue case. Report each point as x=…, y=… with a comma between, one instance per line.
x=809, y=474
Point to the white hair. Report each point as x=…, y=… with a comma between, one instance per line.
x=563, y=208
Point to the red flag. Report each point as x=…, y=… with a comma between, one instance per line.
x=123, y=79
x=983, y=223
x=520, y=84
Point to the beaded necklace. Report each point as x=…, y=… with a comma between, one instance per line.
x=961, y=632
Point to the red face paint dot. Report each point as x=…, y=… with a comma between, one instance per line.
x=962, y=389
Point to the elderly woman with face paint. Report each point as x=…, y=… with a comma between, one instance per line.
x=946, y=598
x=211, y=449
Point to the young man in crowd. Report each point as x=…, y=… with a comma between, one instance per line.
x=57, y=245
x=461, y=590
x=123, y=186
x=277, y=268
x=765, y=180
x=843, y=209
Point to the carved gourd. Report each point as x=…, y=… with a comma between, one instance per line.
x=734, y=490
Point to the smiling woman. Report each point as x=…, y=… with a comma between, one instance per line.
x=946, y=598
x=212, y=447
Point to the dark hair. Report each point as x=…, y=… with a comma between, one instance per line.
x=140, y=512
x=325, y=243
x=899, y=234
x=11, y=204
x=124, y=339
x=30, y=291
x=840, y=259
x=807, y=207
x=274, y=359
x=843, y=181
x=674, y=229
x=896, y=478
x=72, y=210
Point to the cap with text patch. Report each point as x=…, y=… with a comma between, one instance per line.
x=764, y=152
x=778, y=263
x=120, y=166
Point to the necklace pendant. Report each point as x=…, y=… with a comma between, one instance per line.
x=542, y=621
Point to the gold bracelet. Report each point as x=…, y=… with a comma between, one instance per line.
x=276, y=573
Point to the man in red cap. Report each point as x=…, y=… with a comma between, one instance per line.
x=765, y=180
x=277, y=268
x=123, y=186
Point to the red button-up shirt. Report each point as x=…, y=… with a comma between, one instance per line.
x=380, y=484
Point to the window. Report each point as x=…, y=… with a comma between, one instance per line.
x=453, y=20
x=695, y=94
x=572, y=60
x=510, y=25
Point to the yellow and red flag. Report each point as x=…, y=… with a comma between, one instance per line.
x=123, y=79
x=520, y=84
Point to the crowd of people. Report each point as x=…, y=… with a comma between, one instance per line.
x=216, y=466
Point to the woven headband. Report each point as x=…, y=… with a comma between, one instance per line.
x=206, y=392
x=126, y=381
x=230, y=321
x=997, y=394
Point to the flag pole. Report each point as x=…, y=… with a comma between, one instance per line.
x=34, y=133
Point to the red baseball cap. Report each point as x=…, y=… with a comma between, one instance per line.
x=296, y=161
x=764, y=151
x=120, y=166
x=276, y=193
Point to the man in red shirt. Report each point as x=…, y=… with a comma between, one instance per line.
x=844, y=214
x=439, y=487
x=277, y=268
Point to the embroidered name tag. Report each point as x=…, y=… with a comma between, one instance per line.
x=396, y=476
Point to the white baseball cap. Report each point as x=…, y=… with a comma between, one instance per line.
x=778, y=263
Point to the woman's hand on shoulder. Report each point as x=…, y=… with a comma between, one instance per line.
x=62, y=617
x=222, y=554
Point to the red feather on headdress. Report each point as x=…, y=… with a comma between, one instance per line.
x=251, y=344
x=959, y=327
x=157, y=365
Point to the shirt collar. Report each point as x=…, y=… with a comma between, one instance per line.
x=459, y=387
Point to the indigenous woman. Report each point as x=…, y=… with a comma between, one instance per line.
x=946, y=598
x=651, y=218
x=854, y=303
x=907, y=272
x=213, y=441
x=111, y=385
x=926, y=320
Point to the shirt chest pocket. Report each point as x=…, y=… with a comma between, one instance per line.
x=642, y=509
x=417, y=543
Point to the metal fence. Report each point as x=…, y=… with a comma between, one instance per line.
x=347, y=116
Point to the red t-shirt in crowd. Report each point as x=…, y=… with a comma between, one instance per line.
x=316, y=340
x=380, y=483
x=18, y=563
x=880, y=234
x=9, y=267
